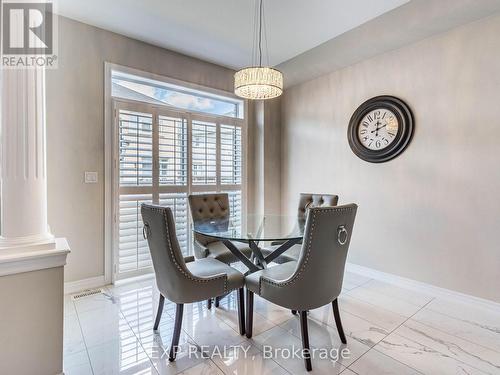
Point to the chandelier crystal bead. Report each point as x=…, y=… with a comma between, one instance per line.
x=258, y=83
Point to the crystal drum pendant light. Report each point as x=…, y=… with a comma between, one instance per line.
x=258, y=82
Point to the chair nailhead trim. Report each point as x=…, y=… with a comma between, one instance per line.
x=303, y=267
x=189, y=276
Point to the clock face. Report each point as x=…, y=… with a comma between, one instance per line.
x=378, y=129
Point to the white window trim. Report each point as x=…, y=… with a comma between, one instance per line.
x=109, y=149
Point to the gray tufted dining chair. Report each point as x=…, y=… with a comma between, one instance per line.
x=306, y=201
x=206, y=207
x=213, y=206
x=184, y=279
x=315, y=279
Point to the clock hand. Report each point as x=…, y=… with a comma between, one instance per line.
x=378, y=128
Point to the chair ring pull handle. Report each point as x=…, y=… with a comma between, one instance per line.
x=145, y=231
x=342, y=235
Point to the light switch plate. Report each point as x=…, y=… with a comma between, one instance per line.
x=91, y=177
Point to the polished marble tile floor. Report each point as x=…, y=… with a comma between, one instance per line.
x=389, y=330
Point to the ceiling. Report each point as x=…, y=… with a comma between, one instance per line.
x=410, y=23
x=221, y=31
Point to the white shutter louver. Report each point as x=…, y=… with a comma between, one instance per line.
x=173, y=151
x=133, y=251
x=230, y=151
x=178, y=203
x=235, y=207
x=136, y=148
x=204, y=153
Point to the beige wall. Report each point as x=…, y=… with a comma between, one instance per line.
x=264, y=161
x=432, y=214
x=31, y=322
x=75, y=129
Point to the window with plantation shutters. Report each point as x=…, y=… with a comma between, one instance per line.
x=161, y=157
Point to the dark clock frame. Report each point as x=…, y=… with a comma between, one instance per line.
x=403, y=136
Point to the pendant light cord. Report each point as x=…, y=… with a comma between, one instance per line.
x=260, y=34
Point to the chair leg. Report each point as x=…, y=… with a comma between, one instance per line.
x=338, y=322
x=217, y=300
x=305, y=340
x=159, y=312
x=249, y=314
x=241, y=310
x=294, y=312
x=209, y=303
x=177, y=332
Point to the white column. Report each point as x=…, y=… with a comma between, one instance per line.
x=23, y=166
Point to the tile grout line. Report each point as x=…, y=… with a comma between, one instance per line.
x=216, y=365
x=378, y=295
x=321, y=323
x=184, y=331
x=133, y=332
x=193, y=340
x=391, y=332
x=455, y=357
x=252, y=343
x=387, y=295
x=348, y=369
x=357, y=286
x=165, y=312
x=349, y=313
x=411, y=319
x=451, y=334
x=83, y=337
x=371, y=304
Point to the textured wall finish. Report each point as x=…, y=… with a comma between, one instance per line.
x=433, y=213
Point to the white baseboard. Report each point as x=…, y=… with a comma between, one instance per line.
x=422, y=287
x=79, y=285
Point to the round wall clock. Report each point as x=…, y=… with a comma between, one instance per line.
x=380, y=129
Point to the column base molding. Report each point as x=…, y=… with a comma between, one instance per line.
x=40, y=241
x=33, y=258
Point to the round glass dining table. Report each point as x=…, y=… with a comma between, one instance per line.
x=283, y=231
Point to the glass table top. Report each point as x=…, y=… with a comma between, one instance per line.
x=253, y=228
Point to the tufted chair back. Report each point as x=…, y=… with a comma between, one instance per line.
x=209, y=206
x=205, y=207
x=307, y=201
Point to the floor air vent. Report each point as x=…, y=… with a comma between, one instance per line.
x=86, y=293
